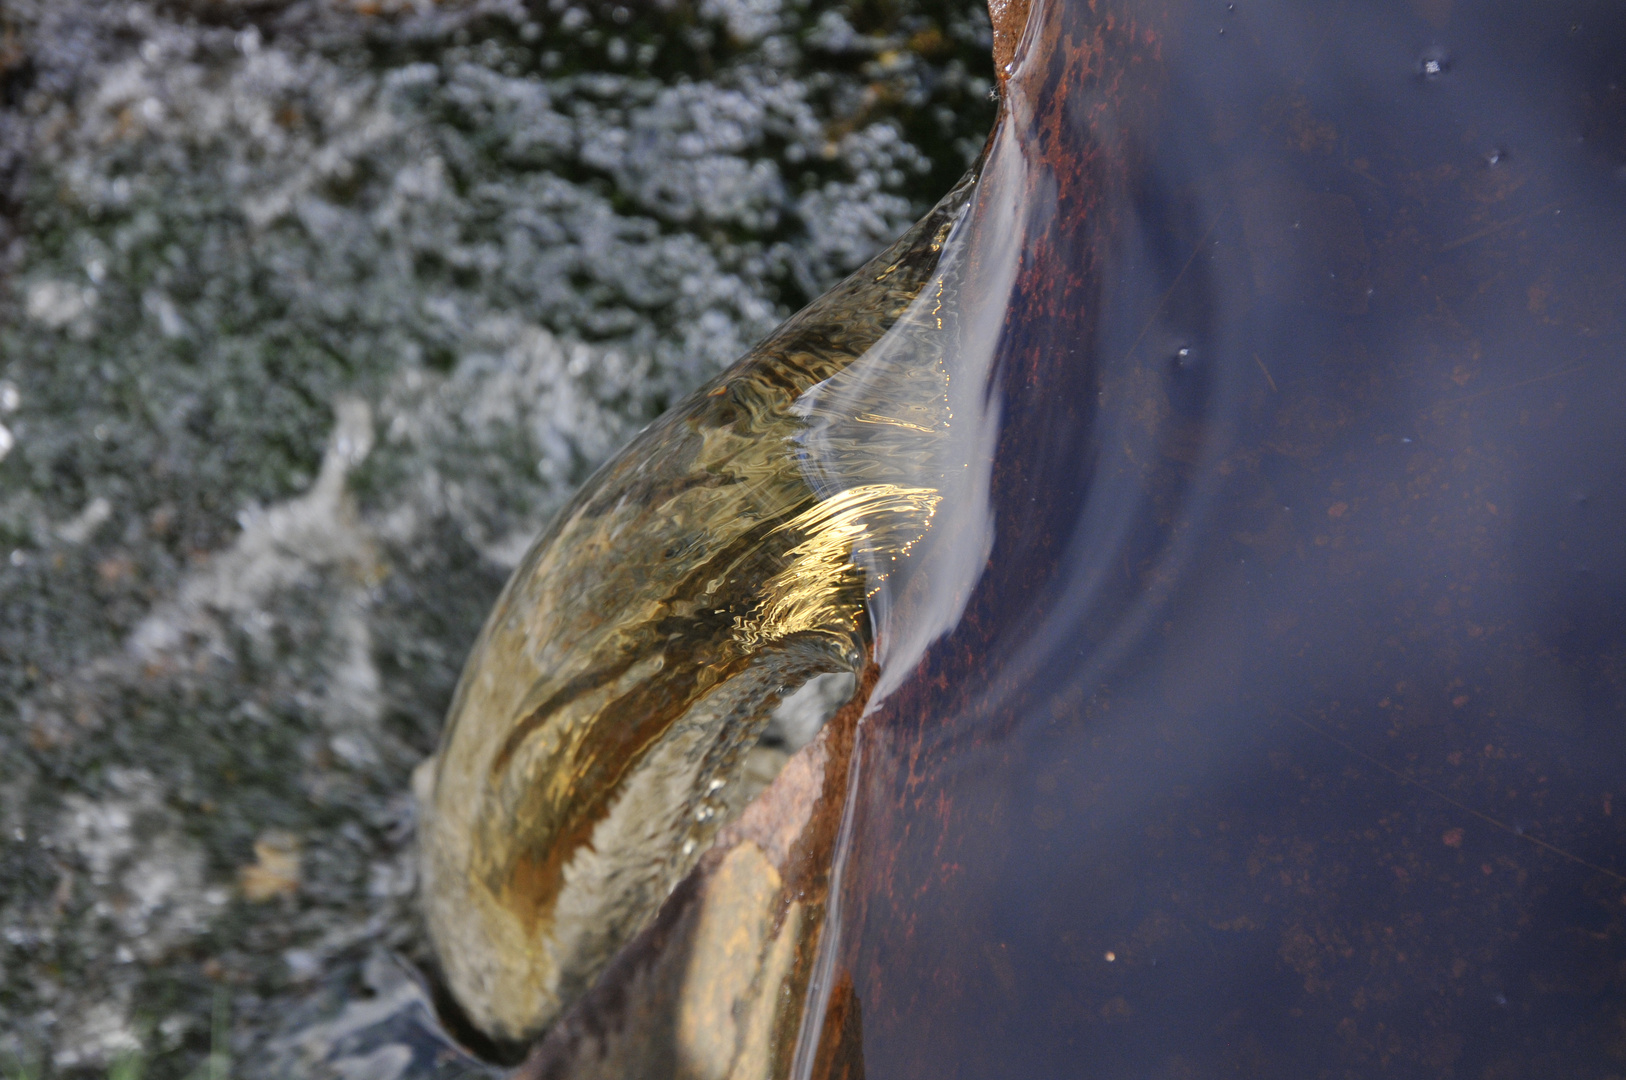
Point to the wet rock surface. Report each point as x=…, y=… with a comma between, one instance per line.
x=310, y=315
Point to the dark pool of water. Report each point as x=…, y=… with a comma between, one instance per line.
x=1285, y=732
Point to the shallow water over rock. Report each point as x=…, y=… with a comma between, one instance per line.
x=1283, y=733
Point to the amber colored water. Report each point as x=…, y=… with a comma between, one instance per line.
x=1283, y=731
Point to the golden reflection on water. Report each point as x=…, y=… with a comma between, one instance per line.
x=813, y=592
x=598, y=735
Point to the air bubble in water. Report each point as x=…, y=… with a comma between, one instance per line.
x=1434, y=63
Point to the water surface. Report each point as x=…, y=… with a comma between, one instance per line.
x=1282, y=732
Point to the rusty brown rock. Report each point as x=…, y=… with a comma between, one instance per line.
x=1009, y=19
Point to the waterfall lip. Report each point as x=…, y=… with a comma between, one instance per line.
x=597, y=738
x=920, y=409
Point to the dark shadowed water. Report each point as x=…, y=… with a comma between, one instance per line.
x=1284, y=734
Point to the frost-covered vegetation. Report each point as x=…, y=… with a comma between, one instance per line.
x=310, y=315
